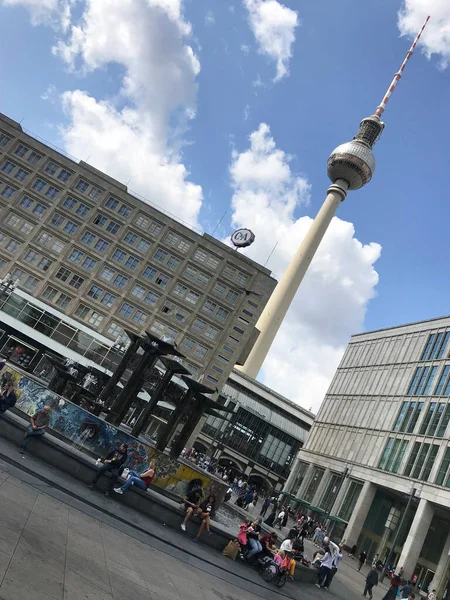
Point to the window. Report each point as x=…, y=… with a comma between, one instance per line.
x=244, y=321
x=175, y=240
x=100, y=220
x=87, y=238
x=161, y=255
x=70, y=227
x=232, y=296
x=63, y=274
x=197, y=276
x=114, y=329
x=212, y=379
x=443, y=386
x=421, y=460
x=175, y=311
x=52, y=191
x=227, y=349
x=143, y=245
x=140, y=317
x=198, y=325
x=179, y=290
x=26, y=227
x=108, y=299
x=200, y=351
x=385, y=455
x=209, y=306
x=112, y=203
x=49, y=293
x=119, y=255
x=82, y=311
x=217, y=369
x=113, y=227
x=89, y=263
x=95, y=319
x=130, y=238
x=21, y=150
x=222, y=359
x=444, y=422
x=151, y=298
x=149, y=225
x=238, y=330
x=435, y=346
x=39, y=185
x=39, y=209
x=124, y=210
x=436, y=419
x=12, y=245
x=187, y=344
x=44, y=264
x=26, y=202
x=206, y=258
x=138, y=291
x=8, y=191
x=76, y=256
x=107, y=274
x=51, y=167
x=149, y=273
x=30, y=256
x=76, y=282
x=415, y=417
x=4, y=139
x=25, y=279
x=101, y=245
x=63, y=300
x=427, y=418
x=57, y=220
x=83, y=210
x=82, y=185
x=95, y=192
x=219, y=289
x=126, y=309
x=21, y=174
x=162, y=280
x=250, y=303
x=12, y=220
x=422, y=381
x=95, y=292
x=132, y=262
x=120, y=281
x=69, y=202
x=222, y=314
x=8, y=167
x=192, y=297
x=443, y=476
x=64, y=175
x=211, y=332
x=34, y=158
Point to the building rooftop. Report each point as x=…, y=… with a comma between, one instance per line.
x=413, y=326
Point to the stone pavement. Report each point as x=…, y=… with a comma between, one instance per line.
x=64, y=541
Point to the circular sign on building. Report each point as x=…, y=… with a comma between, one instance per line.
x=242, y=238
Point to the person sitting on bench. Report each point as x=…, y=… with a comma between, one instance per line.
x=114, y=464
x=141, y=481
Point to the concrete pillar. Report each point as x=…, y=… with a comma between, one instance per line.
x=440, y=575
x=416, y=537
x=321, y=488
x=360, y=513
x=273, y=314
x=292, y=476
x=304, y=485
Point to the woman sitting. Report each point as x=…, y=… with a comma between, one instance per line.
x=141, y=481
x=205, y=509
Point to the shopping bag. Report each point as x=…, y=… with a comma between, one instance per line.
x=231, y=550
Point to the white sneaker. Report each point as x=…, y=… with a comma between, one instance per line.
x=118, y=490
x=183, y=526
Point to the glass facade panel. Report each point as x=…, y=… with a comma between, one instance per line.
x=428, y=416
x=412, y=459
x=429, y=462
x=313, y=484
x=351, y=497
x=443, y=476
x=415, y=474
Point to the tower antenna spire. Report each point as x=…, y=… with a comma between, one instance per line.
x=381, y=107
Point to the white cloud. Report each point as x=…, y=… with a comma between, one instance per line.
x=273, y=26
x=51, y=12
x=436, y=37
x=333, y=297
x=209, y=18
x=138, y=132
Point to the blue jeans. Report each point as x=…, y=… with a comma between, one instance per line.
x=134, y=479
x=29, y=435
x=254, y=545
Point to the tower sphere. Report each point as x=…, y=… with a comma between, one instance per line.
x=353, y=162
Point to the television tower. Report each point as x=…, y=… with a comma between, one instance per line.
x=350, y=167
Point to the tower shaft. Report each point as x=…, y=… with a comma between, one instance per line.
x=271, y=318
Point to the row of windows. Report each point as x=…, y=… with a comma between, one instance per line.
x=422, y=382
x=420, y=460
x=434, y=423
x=435, y=347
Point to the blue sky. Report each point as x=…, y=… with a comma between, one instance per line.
x=195, y=109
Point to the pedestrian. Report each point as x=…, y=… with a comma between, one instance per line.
x=271, y=518
x=285, y=518
x=406, y=590
x=374, y=561
x=391, y=594
x=353, y=551
x=280, y=518
x=113, y=464
x=248, y=498
x=206, y=507
x=264, y=507
x=8, y=397
x=362, y=560
x=37, y=427
x=326, y=564
x=336, y=562
x=250, y=508
x=432, y=595
x=141, y=481
x=371, y=580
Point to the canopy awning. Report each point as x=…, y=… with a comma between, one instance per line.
x=317, y=510
x=300, y=501
x=337, y=520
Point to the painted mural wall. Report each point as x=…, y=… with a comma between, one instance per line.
x=84, y=430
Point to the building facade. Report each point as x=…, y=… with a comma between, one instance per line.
x=379, y=450
x=260, y=437
x=76, y=239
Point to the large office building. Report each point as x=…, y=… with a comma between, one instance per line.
x=380, y=444
x=77, y=240
x=260, y=436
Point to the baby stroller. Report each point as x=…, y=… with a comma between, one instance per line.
x=270, y=571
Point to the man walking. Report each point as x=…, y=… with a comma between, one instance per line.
x=264, y=507
x=371, y=580
x=39, y=423
x=406, y=590
x=362, y=560
x=114, y=464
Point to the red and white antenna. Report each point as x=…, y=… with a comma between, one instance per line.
x=382, y=106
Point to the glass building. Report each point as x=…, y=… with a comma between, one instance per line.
x=260, y=437
x=380, y=443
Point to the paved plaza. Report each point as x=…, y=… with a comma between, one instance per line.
x=63, y=541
